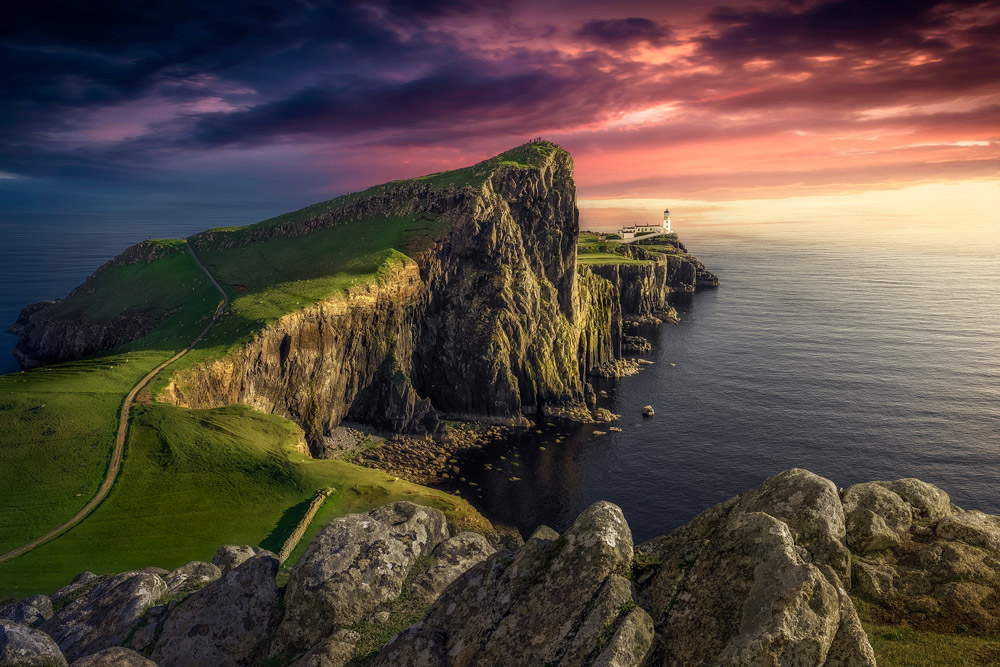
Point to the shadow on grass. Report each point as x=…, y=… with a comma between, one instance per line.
x=286, y=524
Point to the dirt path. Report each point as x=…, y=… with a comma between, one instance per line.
x=116, y=457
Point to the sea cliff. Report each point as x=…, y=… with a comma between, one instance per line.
x=486, y=316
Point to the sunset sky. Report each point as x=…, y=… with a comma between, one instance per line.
x=285, y=103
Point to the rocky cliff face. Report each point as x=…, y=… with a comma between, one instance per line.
x=50, y=332
x=490, y=323
x=646, y=289
x=769, y=577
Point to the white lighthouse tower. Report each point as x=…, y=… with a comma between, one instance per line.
x=666, y=219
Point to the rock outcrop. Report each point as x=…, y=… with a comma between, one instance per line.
x=115, y=656
x=21, y=646
x=226, y=622
x=555, y=602
x=31, y=611
x=104, y=615
x=356, y=563
x=769, y=577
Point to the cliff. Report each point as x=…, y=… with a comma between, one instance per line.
x=77, y=326
x=794, y=572
x=454, y=295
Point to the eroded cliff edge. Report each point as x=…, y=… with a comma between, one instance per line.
x=488, y=318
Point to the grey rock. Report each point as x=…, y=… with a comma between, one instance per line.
x=356, y=563
x=230, y=556
x=558, y=602
x=928, y=503
x=80, y=583
x=876, y=517
x=544, y=533
x=225, y=622
x=810, y=506
x=21, y=646
x=31, y=611
x=191, y=577
x=104, y=615
x=757, y=579
x=116, y=656
x=336, y=651
x=972, y=527
x=449, y=560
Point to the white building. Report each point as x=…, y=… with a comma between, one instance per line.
x=630, y=231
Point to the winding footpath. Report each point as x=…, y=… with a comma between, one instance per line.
x=116, y=457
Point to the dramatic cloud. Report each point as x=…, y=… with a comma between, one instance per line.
x=654, y=100
x=620, y=34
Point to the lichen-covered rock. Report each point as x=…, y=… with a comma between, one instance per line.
x=104, y=615
x=225, y=622
x=31, y=611
x=116, y=656
x=81, y=582
x=972, y=527
x=335, y=651
x=21, y=646
x=928, y=503
x=449, y=560
x=758, y=579
x=230, y=556
x=876, y=518
x=191, y=577
x=557, y=602
x=356, y=563
x=810, y=505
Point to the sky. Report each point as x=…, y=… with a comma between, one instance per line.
x=772, y=106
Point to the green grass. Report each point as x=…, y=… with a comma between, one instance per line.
x=608, y=258
x=172, y=504
x=58, y=423
x=195, y=479
x=901, y=646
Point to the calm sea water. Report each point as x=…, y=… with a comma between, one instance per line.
x=875, y=359
x=858, y=357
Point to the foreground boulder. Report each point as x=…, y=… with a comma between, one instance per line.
x=191, y=577
x=757, y=579
x=230, y=556
x=114, y=657
x=225, y=622
x=21, y=646
x=356, y=563
x=104, y=615
x=31, y=611
x=558, y=601
x=449, y=560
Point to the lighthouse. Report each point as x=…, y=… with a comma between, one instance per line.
x=666, y=219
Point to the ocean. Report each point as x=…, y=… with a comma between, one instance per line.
x=857, y=356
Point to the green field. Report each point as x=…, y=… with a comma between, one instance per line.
x=195, y=479
x=902, y=646
x=58, y=423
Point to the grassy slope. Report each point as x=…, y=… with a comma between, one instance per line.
x=58, y=423
x=195, y=479
x=54, y=457
x=901, y=646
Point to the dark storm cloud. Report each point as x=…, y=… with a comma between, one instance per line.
x=791, y=29
x=620, y=34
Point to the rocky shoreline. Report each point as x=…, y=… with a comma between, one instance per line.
x=776, y=576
